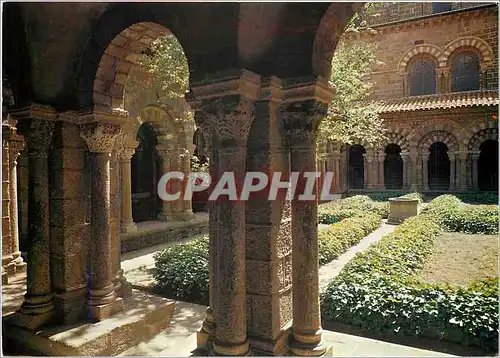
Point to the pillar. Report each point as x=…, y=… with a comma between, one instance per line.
x=425, y=171
x=301, y=123
x=381, y=179
x=462, y=175
x=453, y=186
x=370, y=171
x=414, y=171
x=404, y=157
x=365, y=171
x=38, y=307
x=12, y=262
x=230, y=308
x=127, y=224
x=103, y=300
x=475, y=172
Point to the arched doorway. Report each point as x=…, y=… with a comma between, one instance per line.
x=393, y=167
x=356, y=170
x=146, y=165
x=488, y=165
x=439, y=167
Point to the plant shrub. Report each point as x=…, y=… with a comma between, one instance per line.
x=377, y=290
x=414, y=195
x=336, y=211
x=339, y=237
x=454, y=215
x=182, y=271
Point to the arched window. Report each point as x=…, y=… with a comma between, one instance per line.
x=422, y=77
x=465, y=72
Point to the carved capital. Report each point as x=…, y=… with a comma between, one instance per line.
x=229, y=118
x=100, y=138
x=463, y=155
x=37, y=134
x=301, y=120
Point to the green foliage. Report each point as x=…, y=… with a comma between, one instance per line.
x=454, y=215
x=182, y=271
x=167, y=64
x=335, y=211
x=339, y=237
x=350, y=116
x=377, y=289
x=479, y=198
x=415, y=195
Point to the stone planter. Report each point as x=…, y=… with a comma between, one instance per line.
x=402, y=209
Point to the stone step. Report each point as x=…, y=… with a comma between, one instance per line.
x=144, y=316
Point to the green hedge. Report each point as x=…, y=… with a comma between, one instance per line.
x=338, y=237
x=377, y=290
x=454, y=215
x=181, y=271
x=336, y=211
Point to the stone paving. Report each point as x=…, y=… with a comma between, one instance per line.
x=329, y=271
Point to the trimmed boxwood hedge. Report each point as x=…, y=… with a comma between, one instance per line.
x=377, y=289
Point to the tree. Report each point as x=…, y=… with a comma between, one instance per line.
x=351, y=115
x=166, y=62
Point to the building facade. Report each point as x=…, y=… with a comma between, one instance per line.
x=436, y=80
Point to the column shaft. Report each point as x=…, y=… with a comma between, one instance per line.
x=230, y=310
x=475, y=174
x=425, y=170
x=38, y=298
x=452, y=171
x=127, y=222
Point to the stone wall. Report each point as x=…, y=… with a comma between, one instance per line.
x=431, y=35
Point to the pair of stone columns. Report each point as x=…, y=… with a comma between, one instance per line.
x=226, y=124
x=12, y=262
x=173, y=159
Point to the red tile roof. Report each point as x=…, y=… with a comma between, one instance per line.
x=440, y=101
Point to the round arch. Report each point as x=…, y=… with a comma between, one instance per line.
x=440, y=125
x=330, y=29
x=424, y=50
x=482, y=136
x=476, y=44
x=438, y=136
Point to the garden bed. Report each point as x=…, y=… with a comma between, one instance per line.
x=379, y=290
x=182, y=271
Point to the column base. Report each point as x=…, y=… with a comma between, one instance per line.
x=231, y=350
x=127, y=228
x=123, y=288
x=307, y=345
x=31, y=322
x=277, y=347
x=13, y=264
x=70, y=305
x=101, y=312
x=204, y=337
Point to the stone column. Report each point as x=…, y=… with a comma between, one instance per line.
x=301, y=123
x=15, y=147
x=414, y=171
x=442, y=79
x=38, y=307
x=381, y=180
x=231, y=118
x=336, y=173
x=462, y=176
x=365, y=171
x=12, y=262
x=103, y=300
x=404, y=157
x=206, y=335
x=451, y=155
x=127, y=222
x=425, y=171
x=370, y=172
x=475, y=173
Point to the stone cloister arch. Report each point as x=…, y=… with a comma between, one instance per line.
x=483, y=159
x=260, y=111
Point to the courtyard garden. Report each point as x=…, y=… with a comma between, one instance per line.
x=435, y=276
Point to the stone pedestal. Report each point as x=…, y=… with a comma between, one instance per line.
x=401, y=209
x=103, y=300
